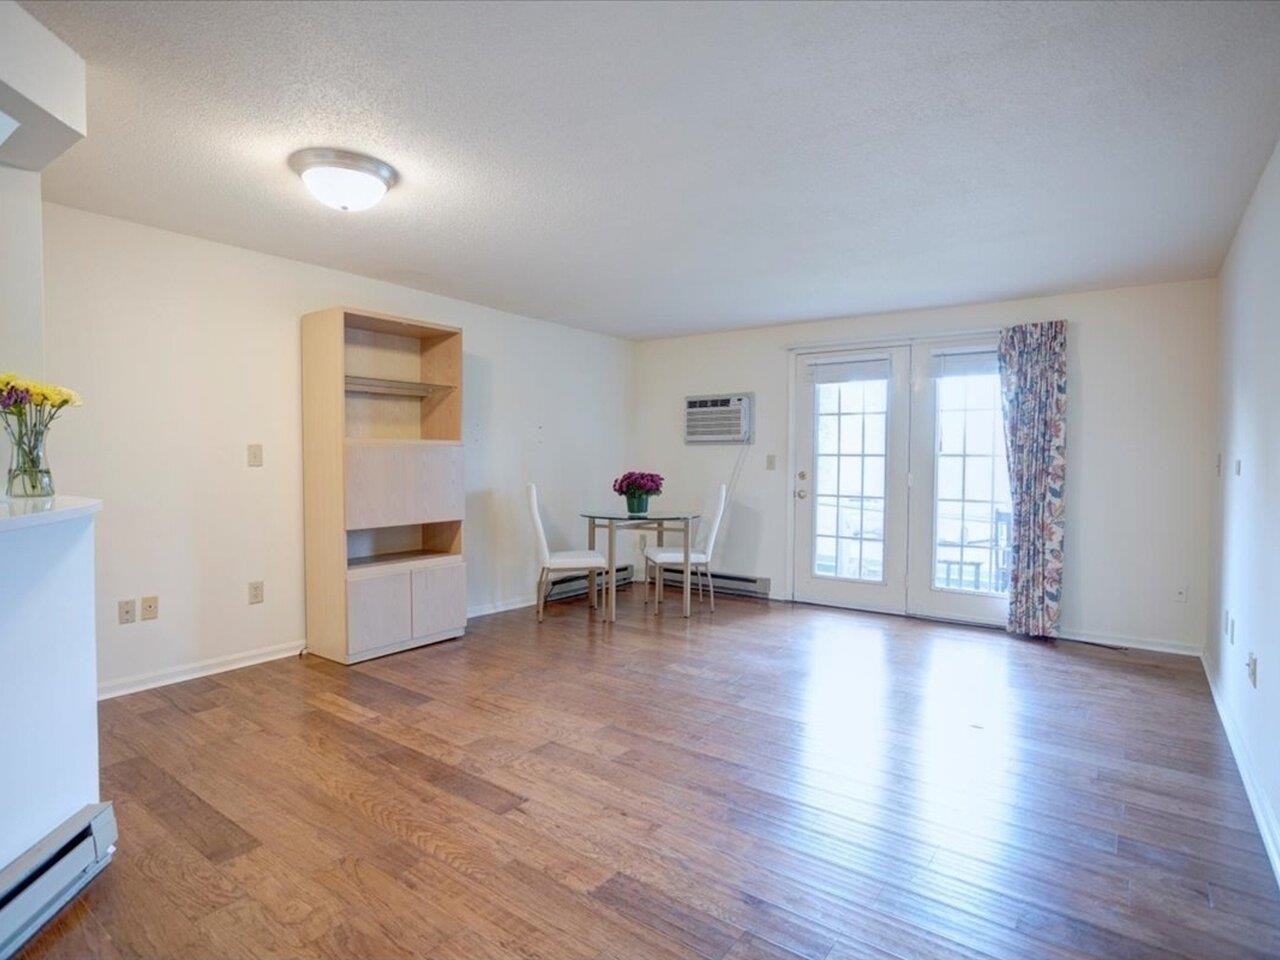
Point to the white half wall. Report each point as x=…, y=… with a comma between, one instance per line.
x=49, y=751
x=1250, y=546
x=1141, y=445
x=187, y=350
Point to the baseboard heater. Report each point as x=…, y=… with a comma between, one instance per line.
x=44, y=879
x=728, y=583
x=575, y=584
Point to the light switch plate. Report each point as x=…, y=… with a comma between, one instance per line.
x=256, y=591
x=127, y=611
x=255, y=454
x=149, y=608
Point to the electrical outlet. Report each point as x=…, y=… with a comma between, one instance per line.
x=255, y=591
x=1180, y=595
x=149, y=609
x=255, y=454
x=1252, y=664
x=127, y=611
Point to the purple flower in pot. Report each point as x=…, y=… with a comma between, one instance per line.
x=638, y=487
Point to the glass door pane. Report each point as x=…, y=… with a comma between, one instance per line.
x=960, y=505
x=972, y=509
x=849, y=471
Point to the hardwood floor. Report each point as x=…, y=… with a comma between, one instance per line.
x=768, y=782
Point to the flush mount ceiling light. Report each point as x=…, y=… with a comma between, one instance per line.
x=342, y=179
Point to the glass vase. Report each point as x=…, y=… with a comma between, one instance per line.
x=637, y=504
x=29, y=474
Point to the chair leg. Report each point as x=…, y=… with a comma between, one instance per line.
x=711, y=587
x=698, y=573
x=644, y=579
x=658, y=573
x=591, y=589
x=542, y=591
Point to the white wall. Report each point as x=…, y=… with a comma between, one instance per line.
x=1140, y=445
x=186, y=351
x=1250, y=546
x=21, y=270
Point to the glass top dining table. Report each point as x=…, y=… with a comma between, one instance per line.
x=662, y=522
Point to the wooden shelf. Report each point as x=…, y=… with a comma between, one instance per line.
x=380, y=563
x=398, y=442
x=394, y=388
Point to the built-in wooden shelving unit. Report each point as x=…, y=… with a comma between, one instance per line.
x=383, y=483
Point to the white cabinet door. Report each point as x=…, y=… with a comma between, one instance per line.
x=392, y=483
x=439, y=599
x=378, y=612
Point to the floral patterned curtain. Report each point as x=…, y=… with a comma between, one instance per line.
x=1033, y=383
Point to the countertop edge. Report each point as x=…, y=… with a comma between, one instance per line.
x=40, y=512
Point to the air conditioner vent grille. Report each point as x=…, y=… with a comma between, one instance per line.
x=724, y=418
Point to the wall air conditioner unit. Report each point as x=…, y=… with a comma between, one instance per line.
x=723, y=418
x=45, y=878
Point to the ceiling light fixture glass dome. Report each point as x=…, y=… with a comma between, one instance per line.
x=342, y=179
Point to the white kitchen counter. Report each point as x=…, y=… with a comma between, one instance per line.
x=22, y=512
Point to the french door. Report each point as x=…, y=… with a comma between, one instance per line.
x=901, y=487
x=851, y=480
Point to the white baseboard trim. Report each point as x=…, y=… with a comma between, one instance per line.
x=501, y=606
x=1075, y=636
x=202, y=668
x=1137, y=643
x=1263, y=812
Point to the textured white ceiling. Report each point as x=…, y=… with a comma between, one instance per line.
x=653, y=169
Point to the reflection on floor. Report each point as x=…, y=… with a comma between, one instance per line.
x=771, y=781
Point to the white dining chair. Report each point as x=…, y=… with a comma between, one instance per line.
x=656, y=559
x=569, y=561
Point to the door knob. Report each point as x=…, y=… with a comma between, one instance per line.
x=802, y=475
x=800, y=494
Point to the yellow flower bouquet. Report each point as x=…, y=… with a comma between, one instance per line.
x=27, y=408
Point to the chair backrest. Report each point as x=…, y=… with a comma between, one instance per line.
x=540, y=535
x=712, y=514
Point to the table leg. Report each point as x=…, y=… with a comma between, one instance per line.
x=591, y=574
x=687, y=598
x=612, y=614
x=657, y=588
